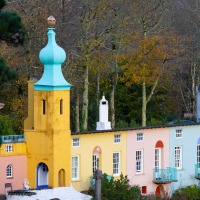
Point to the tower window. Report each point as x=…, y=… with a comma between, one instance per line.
x=44, y=107
x=103, y=102
x=61, y=106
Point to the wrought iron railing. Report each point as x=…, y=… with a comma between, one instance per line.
x=12, y=138
x=197, y=170
x=168, y=174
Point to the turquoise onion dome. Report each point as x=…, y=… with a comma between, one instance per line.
x=52, y=53
x=52, y=56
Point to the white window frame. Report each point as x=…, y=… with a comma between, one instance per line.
x=117, y=138
x=95, y=161
x=75, y=167
x=116, y=163
x=76, y=142
x=178, y=157
x=198, y=154
x=9, y=171
x=158, y=158
x=139, y=161
x=8, y=148
x=179, y=133
x=140, y=137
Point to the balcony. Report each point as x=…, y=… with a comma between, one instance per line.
x=166, y=175
x=93, y=181
x=12, y=138
x=197, y=171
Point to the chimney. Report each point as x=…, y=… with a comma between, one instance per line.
x=103, y=123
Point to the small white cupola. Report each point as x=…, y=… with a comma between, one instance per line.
x=103, y=123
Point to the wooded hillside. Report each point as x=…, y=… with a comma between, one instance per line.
x=143, y=54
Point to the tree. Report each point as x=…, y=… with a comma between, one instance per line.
x=6, y=74
x=146, y=64
x=11, y=28
x=11, y=32
x=6, y=127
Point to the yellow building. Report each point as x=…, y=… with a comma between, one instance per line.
x=108, y=147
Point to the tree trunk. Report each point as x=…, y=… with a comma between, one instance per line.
x=112, y=102
x=97, y=91
x=144, y=104
x=77, y=112
x=84, y=121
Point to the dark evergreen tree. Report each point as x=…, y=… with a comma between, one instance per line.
x=11, y=28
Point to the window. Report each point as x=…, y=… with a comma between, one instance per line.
x=75, y=167
x=95, y=161
x=144, y=189
x=179, y=133
x=139, y=136
x=117, y=138
x=116, y=163
x=158, y=158
x=8, y=148
x=61, y=106
x=139, y=161
x=9, y=171
x=198, y=154
x=178, y=157
x=75, y=142
x=44, y=107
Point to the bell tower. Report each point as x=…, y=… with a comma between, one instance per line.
x=49, y=142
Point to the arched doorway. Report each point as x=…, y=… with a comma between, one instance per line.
x=61, y=178
x=159, y=190
x=42, y=175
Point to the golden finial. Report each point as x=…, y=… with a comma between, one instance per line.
x=51, y=21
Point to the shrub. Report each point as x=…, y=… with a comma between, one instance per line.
x=119, y=189
x=191, y=192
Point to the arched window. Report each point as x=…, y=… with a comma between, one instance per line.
x=158, y=154
x=61, y=106
x=159, y=144
x=9, y=171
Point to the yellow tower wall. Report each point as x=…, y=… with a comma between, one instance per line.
x=50, y=141
x=29, y=121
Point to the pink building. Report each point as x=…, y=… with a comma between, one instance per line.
x=13, y=169
x=148, y=160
